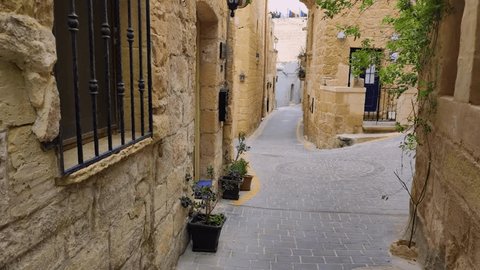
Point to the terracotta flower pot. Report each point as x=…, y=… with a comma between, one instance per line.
x=247, y=182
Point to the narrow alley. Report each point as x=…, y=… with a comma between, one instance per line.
x=311, y=208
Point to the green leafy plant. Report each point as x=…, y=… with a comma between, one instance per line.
x=204, y=206
x=416, y=29
x=242, y=146
x=239, y=166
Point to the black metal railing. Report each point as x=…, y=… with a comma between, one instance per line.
x=104, y=18
x=386, y=107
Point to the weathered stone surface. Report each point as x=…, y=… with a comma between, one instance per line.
x=31, y=47
x=26, y=43
x=15, y=109
x=122, y=212
x=41, y=10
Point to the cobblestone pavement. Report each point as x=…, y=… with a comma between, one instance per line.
x=316, y=209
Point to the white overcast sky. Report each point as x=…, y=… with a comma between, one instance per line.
x=284, y=5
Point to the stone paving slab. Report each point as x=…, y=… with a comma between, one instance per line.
x=319, y=209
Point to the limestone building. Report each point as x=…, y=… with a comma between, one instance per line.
x=448, y=232
x=105, y=108
x=291, y=35
x=334, y=102
x=252, y=69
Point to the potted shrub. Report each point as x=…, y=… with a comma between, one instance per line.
x=230, y=184
x=242, y=148
x=233, y=179
x=204, y=227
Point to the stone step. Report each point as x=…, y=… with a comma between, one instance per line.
x=379, y=127
x=351, y=139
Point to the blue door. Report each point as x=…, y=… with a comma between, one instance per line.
x=372, y=84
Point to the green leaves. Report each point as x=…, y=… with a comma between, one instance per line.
x=364, y=58
x=334, y=7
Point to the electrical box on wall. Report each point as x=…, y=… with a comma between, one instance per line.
x=223, y=50
x=222, y=104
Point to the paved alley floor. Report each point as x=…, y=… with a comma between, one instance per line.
x=315, y=209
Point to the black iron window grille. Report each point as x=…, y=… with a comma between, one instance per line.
x=105, y=107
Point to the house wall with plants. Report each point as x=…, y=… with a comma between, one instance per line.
x=327, y=64
x=122, y=212
x=447, y=156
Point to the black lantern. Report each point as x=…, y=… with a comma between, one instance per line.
x=232, y=5
x=236, y=4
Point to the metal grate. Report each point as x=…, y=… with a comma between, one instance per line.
x=102, y=19
x=386, y=109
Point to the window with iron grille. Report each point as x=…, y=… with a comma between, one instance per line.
x=103, y=75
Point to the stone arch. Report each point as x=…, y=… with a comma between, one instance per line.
x=208, y=132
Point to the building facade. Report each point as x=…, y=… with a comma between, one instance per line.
x=335, y=102
x=252, y=82
x=106, y=109
x=447, y=162
x=291, y=39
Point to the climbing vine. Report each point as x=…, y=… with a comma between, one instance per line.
x=405, y=65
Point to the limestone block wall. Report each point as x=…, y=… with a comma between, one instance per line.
x=292, y=35
x=212, y=31
x=270, y=67
x=449, y=229
x=327, y=62
x=248, y=43
x=340, y=110
x=122, y=212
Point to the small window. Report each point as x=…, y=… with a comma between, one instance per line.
x=103, y=75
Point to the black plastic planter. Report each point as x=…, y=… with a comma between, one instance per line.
x=230, y=187
x=204, y=237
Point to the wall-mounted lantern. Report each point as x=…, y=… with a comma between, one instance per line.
x=341, y=35
x=257, y=57
x=242, y=77
x=234, y=4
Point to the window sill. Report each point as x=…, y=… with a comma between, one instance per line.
x=97, y=167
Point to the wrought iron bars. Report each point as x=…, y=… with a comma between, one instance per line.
x=141, y=82
x=73, y=28
x=93, y=84
x=106, y=35
x=130, y=38
x=113, y=72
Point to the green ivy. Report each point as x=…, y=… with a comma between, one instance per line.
x=415, y=27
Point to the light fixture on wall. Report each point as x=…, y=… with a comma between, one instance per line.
x=234, y=4
x=242, y=77
x=341, y=35
x=257, y=57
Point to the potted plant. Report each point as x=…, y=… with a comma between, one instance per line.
x=233, y=179
x=230, y=184
x=204, y=227
x=242, y=148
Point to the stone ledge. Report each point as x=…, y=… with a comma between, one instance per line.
x=92, y=170
x=344, y=89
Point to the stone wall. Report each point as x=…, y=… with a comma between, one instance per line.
x=292, y=35
x=122, y=212
x=449, y=229
x=327, y=63
x=249, y=56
